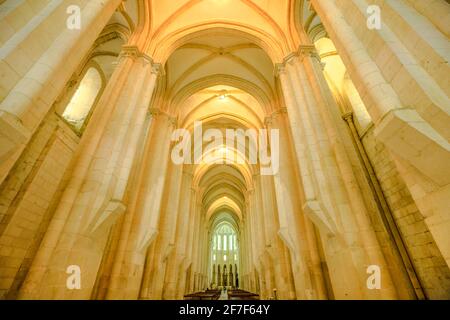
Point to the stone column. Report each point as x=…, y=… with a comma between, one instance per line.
x=245, y=250
x=196, y=247
x=193, y=241
x=433, y=11
x=180, y=239
x=322, y=94
x=269, y=276
x=141, y=225
x=250, y=233
x=214, y=276
x=254, y=235
x=37, y=87
x=263, y=234
x=94, y=197
x=281, y=275
x=152, y=287
x=388, y=86
x=204, y=254
x=405, y=91
x=290, y=215
x=333, y=202
x=396, y=241
x=184, y=283
x=259, y=216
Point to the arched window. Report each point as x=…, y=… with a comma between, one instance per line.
x=223, y=247
x=226, y=237
x=79, y=107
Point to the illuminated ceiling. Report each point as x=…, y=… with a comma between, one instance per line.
x=218, y=57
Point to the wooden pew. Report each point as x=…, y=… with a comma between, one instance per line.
x=207, y=295
x=242, y=295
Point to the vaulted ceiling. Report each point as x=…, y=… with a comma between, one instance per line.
x=170, y=19
x=226, y=82
x=219, y=57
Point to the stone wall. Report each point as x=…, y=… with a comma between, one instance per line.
x=430, y=266
x=27, y=197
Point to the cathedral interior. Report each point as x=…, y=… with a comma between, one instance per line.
x=95, y=96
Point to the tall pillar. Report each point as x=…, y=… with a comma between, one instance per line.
x=37, y=85
x=320, y=92
x=141, y=225
x=184, y=281
x=433, y=11
x=262, y=235
x=152, y=286
x=196, y=223
x=94, y=197
x=195, y=248
x=332, y=200
x=281, y=276
x=175, y=260
x=385, y=96
x=288, y=198
x=214, y=276
x=403, y=81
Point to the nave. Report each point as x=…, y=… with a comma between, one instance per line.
x=171, y=149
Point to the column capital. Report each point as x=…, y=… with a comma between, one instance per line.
x=307, y=50
x=279, y=112
x=310, y=50
x=270, y=118
x=73, y=82
x=290, y=58
x=133, y=52
x=279, y=69
x=348, y=116
x=304, y=50
x=158, y=69
x=172, y=120
x=155, y=112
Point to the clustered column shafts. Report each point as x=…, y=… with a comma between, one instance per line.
x=109, y=202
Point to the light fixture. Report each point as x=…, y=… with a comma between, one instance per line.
x=223, y=95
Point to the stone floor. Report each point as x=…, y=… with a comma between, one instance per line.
x=222, y=295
